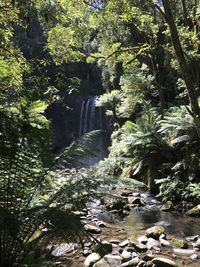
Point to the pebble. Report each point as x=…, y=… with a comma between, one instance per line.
x=124, y=243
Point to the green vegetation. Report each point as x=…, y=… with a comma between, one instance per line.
x=148, y=53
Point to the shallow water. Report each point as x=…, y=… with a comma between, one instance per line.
x=174, y=223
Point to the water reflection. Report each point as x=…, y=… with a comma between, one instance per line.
x=174, y=223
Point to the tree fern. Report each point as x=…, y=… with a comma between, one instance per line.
x=28, y=203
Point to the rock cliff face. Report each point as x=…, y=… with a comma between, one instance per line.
x=64, y=113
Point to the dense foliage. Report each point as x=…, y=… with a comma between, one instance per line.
x=149, y=56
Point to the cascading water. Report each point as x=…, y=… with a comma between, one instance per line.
x=92, y=118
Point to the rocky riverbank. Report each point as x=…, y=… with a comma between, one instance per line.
x=120, y=241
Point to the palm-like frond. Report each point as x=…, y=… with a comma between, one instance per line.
x=25, y=165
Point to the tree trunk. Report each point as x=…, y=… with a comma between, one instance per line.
x=193, y=96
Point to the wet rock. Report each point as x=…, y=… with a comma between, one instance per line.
x=113, y=260
x=126, y=192
x=124, y=243
x=102, y=248
x=142, y=239
x=127, y=207
x=79, y=213
x=168, y=206
x=155, y=231
x=126, y=256
x=141, y=264
x=194, y=257
x=114, y=241
x=133, y=262
x=100, y=224
x=86, y=252
x=197, y=244
x=116, y=204
x=91, y=260
x=92, y=229
x=150, y=264
x=123, y=212
x=163, y=262
x=101, y=263
x=192, y=238
x=183, y=252
x=179, y=243
x=152, y=243
x=137, y=246
x=136, y=194
x=148, y=257
x=63, y=249
x=164, y=242
x=195, y=212
x=136, y=201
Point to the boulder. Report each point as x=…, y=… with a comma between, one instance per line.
x=102, y=248
x=137, y=246
x=100, y=224
x=152, y=243
x=142, y=239
x=126, y=256
x=194, y=257
x=92, y=229
x=195, y=212
x=116, y=204
x=155, y=231
x=163, y=262
x=136, y=201
x=91, y=260
x=168, y=206
x=192, y=238
x=101, y=263
x=126, y=192
x=179, y=243
x=124, y=243
x=133, y=262
x=141, y=264
x=63, y=249
x=183, y=252
x=113, y=260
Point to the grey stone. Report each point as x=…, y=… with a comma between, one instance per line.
x=168, y=206
x=126, y=192
x=155, y=231
x=126, y=256
x=192, y=238
x=136, y=201
x=102, y=248
x=142, y=239
x=62, y=249
x=163, y=262
x=124, y=243
x=183, y=252
x=148, y=257
x=194, y=257
x=195, y=212
x=91, y=260
x=100, y=224
x=152, y=243
x=137, y=246
x=113, y=260
x=92, y=229
x=141, y=264
x=101, y=263
x=133, y=262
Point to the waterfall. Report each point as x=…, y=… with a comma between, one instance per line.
x=92, y=118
